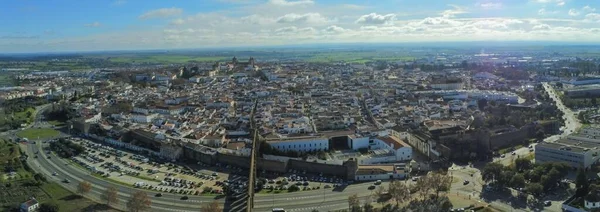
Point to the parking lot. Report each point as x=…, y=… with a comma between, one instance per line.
x=194, y=179
x=142, y=172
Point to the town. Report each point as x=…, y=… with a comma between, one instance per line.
x=488, y=131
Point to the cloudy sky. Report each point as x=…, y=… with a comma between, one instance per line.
x=82, y=25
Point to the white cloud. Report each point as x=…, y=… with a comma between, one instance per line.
x=293, y=29
x=573, y=12
x=375, y=18
x=588, y=9
x=291, y=3
x=178, y=21
x=162, y=13
x=94, y=24
x=353, y=6
x=557, y=2
x=543, y=11
x=592, y=17
x=314, y=18
x=257, y=19
x=541, y=27
x=489, y=5
x=456, y=10
x=334, y=29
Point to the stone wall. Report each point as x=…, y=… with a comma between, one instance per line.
x=318, y=168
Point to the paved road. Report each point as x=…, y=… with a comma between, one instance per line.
x=572, y=122
x=298, y=201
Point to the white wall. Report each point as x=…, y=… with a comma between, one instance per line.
x=303, y=145
x=404, y=153
x=358, y=143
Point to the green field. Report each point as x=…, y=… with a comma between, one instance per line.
x=165, y=59
x=33, y=133
x=357, y=57
x=23, y=115
x=56, y=123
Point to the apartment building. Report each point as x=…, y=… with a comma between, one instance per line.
x=301, y=144
x=577, y=152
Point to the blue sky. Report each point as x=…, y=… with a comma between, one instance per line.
x=70, y=25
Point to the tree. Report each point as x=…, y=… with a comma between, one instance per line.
x=517, y=181
x=534, y=189
x=139, y=202
x=49, y=207
x=581, y=183
x=399, y=191
x=439, y=182
x=84, y=187
x=367, y=207
x=353, y=203
x=379, y=193
x=213, y=206
x=522, y=164
x=491, y=171
x=110, y=195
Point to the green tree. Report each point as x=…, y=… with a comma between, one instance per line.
x=517, y=181
x=353, y=203
x=522, y=164
x=581, y=183
x=491, y=171
x=534, y=189
x=49, y=207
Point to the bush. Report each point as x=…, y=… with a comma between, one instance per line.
x=293, y=188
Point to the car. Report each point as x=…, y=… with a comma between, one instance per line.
x=54, y=174
x=502, y=156
x=465, y=182
x=184, y=198
x=513, y=153
x=547, y=203
x=414, y=179
x=378, y=182
x=327, y=186
x=66, y=180
x=158, y=195
x=371, y=187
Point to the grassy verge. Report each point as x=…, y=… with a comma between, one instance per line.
x=508, y=149
x=33, y=133
x=56, y=123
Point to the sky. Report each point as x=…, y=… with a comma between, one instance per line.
x=82, y=25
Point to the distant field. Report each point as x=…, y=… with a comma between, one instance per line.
x=357, y=57
x=5, y=80
x=165, y=59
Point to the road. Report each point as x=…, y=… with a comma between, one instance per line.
x=571, y=120
x=297, y=201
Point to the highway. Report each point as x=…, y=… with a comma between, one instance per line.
x=297, y=201
x=572, y=122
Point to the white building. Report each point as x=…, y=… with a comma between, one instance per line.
x=30, y=205
x=143, y=118
x=401, y=150
x=578, y=152
x=380, y=172
x=300, y=144
x=592, y=200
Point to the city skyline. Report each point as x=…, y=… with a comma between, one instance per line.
x=38, y=26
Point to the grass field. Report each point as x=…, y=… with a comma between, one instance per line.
x=165, y=59
x=5, y=80
x=23, y=115
x=33, y=133
x=56, y=123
